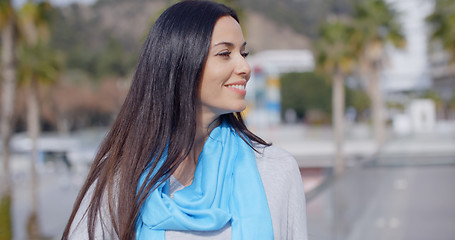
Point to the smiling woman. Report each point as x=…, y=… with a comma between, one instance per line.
x=226, y=71
x=179, y=162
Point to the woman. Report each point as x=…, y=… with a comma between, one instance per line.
x=179, y=162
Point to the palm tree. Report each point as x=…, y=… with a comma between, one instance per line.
x=8, y=69
x=442, y=22
x=38, y=65
x=442, y=31
x=377, y=25
x=336, y=56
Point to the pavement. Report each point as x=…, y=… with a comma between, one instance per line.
x=386, y=203
x=402, y=190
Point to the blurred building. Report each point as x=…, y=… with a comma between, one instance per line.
x=406, y=70
x=264, y=108
x=442, y=72
x=419, y=67
x=283, y=61
x=419, y=117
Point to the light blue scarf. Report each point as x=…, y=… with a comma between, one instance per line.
x=226, y=188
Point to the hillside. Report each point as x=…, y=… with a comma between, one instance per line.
x=263, y=33
x=129, y=21
x=105, y=38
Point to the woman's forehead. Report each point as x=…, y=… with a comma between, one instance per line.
x=227, y=31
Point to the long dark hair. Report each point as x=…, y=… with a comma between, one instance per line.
x=159, y=113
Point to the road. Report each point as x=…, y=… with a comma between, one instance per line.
x=386, y=202
x=404, y=192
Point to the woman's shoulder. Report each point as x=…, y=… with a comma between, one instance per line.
x=275, y=157
x=283, y=185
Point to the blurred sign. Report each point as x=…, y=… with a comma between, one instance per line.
x=263, y=89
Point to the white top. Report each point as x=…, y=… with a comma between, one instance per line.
x=285, y=196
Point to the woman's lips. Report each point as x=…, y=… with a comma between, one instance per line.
x=238, y=88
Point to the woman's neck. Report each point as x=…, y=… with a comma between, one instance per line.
x=185, y=171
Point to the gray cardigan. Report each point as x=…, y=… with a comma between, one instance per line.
x=285, y=196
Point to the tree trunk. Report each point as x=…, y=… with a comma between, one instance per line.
x=33, y=127
x=338, y=121
x=8, y=98
x=63, y=124
x=377, y=107
x=8, y=95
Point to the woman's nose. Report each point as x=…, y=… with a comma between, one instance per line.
x=243, y=68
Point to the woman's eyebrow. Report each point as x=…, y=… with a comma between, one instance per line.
x=229, y=44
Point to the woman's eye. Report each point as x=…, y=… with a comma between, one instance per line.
x=224, y=54
x=245, y=54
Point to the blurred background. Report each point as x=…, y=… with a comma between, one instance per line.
x=361, y=92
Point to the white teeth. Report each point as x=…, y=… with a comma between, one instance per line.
x=241, y=87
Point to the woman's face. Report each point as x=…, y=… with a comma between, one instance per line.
x=226, y=71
